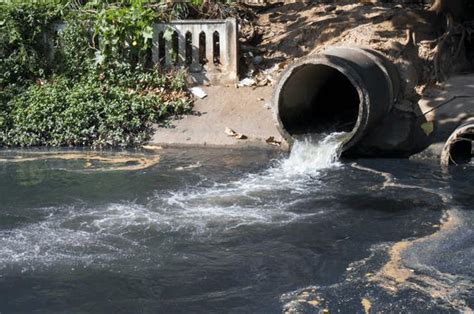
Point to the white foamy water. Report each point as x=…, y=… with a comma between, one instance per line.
x=309, y=155
x=262, y=197
x=87, y=235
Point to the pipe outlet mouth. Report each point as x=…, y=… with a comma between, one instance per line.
x=459, y=148
x=320, y=97
x=342, y=90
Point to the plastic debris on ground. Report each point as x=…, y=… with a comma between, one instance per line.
x=234, y=134
x=198, y=92
x=247, y=82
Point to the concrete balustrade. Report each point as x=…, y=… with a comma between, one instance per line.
x=208, y=48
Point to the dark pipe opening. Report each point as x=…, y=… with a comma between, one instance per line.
x=462, y=150
x=318, y=98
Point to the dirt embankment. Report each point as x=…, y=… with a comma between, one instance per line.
x=422, y=44
x=425, y=46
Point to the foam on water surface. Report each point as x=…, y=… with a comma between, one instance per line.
x=249, y=236
x=83, y=234
x=312, y=154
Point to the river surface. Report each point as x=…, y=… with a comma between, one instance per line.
x=233, y=231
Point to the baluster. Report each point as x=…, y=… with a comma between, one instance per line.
x=210, y=50
x=155, y=50
x=195, y=65
x=182, y=48
x=169, y=52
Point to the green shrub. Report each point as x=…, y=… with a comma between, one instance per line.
x=88, y=112
x=78, y=94
x=23, y=49
x=125, y=33
x=75, y=54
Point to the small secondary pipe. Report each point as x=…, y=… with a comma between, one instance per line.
x=459, y=148
x=343, y=89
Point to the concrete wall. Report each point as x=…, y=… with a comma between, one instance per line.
x=208, y=48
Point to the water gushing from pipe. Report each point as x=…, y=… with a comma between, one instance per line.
x=312, y=153
x=342, y=89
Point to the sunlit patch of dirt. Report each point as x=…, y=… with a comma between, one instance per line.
x=413, y=38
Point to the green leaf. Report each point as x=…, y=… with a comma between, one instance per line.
x=168, y=34
x=147, y=33
x=99, y=57
x=428, y=127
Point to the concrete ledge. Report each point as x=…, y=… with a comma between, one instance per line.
x=244, y=110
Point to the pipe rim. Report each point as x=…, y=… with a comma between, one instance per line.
x=345, y=69
x=466, y=128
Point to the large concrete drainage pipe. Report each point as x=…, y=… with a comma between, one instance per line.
x=343, y=89
x=459, y=148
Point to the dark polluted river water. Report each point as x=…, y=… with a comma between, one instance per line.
x=233, y=231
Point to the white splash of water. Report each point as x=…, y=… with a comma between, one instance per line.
x=86, y=235
x=290, y=175
x=262, y=197
x=310, y=155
